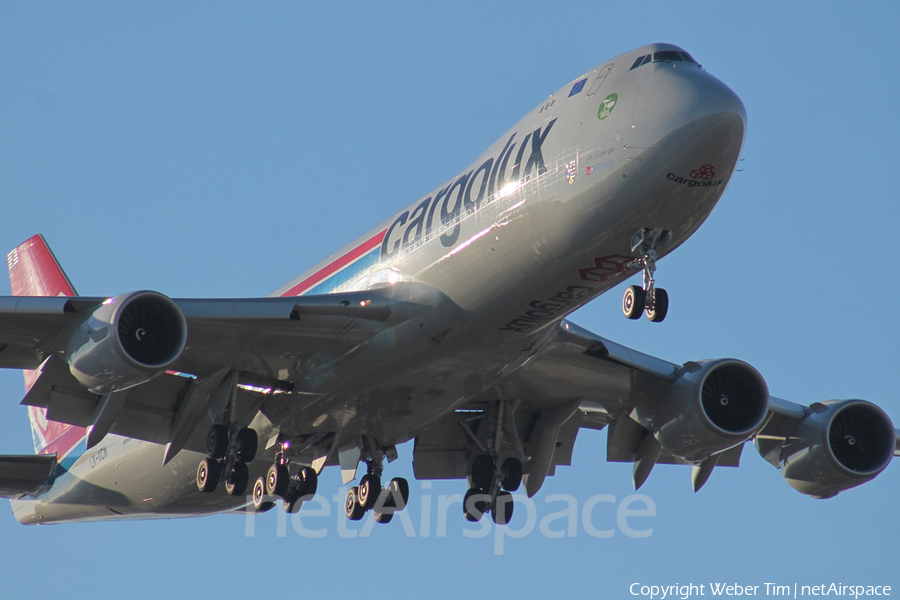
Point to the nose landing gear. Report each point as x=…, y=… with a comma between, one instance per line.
x=647, y=299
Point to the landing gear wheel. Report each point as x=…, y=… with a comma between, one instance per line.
x=247, y=444
x=260, y=504
x=309, y=481
x=352, y=506
x=292, y=505
x=659, y=307
x=474, y=504
x=511, y=474
x=237, y=481
x=302, y=487
x=503, y=508
x=369, y=488
x=217, y=441
x=383, y=518
x=633, y=301
x=277, y=480
x=402, y=487
x=482, y=471
x=208, y=472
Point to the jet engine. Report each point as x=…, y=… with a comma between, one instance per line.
x=839, y=445
x=712, y=407
x=127, y=341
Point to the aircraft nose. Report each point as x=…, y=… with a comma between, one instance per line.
x=680, y=106
x=718, y=113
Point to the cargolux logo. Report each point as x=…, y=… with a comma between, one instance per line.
x=704, y=172
x=700, y=177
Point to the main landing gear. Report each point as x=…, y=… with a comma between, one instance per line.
x=227, y=453
x=369, y=495
x=495, y=469
x=491, y=487
x=649, y=299
x=279, y=482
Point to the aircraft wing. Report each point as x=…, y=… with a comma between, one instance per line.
x=221, y=331
x=662, y=412
x=249, y=347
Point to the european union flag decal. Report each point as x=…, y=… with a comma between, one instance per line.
x=579, y=85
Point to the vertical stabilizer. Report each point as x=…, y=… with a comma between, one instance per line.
x=34, y=271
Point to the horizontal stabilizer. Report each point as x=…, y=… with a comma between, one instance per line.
x=22, y=475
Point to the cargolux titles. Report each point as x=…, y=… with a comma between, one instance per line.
x=466, y=193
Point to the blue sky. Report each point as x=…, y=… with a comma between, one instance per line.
x=219, y=149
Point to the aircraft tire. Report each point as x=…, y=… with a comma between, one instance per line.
x=660, y=307
x=474, y=504
x=277, y=480
x=217, y=441
x=208, y=472
x=401, y=485
x=247, y=444
x=383, y=518
x=511, y=474
x=292, y=504
x=502, y=511
x=237, y=481
x=368, y=490
x=352, y=506
x=260, y=504
x=309, y=481
x=633, y=302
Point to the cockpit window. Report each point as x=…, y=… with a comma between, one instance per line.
x=663, y=56
x=667, y=55
x=641, y=60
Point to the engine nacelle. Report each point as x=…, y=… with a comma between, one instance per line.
x=127, y=341
x=712, y=408
x=840, y=445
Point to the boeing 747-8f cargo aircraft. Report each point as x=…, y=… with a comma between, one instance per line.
x=444, y=325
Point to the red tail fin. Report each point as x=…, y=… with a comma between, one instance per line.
x=34, y=271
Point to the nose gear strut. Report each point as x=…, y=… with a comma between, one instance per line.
x=647, y=299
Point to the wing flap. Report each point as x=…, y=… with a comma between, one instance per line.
x=146, y=414
x=625, y=436
x=28, y=327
